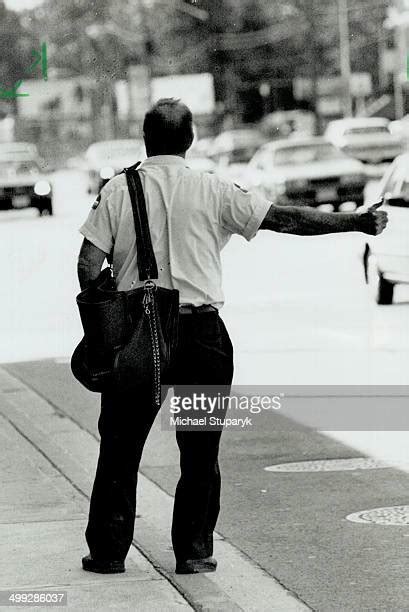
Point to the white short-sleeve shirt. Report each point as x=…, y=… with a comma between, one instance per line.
x=191, y=214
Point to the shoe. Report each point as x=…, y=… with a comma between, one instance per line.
x=196, y=566
x=102, y=567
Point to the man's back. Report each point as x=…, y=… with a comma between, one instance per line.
x=191, y=215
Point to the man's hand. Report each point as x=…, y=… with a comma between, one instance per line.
x=373, y=221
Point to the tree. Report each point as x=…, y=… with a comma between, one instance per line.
x=242, y=42
x=17, y=44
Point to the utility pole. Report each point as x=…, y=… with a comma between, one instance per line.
x=399, y=72
x=139, y=63
x=398, y=21
x=314, y=59
x=345, y=55
x=147, y=47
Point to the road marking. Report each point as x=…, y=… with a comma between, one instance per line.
x=329, y=465
x=392, y=515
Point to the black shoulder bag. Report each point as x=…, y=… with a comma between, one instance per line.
x=129, y=336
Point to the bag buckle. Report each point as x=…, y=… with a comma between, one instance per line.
x=149, y=284
x=149, y=287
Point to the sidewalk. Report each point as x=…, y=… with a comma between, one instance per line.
x=47, y=466
x=42, y=521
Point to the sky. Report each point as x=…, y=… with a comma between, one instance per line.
x=20, y=5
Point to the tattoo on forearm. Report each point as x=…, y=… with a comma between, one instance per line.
x=306, y=221
x=89, y=265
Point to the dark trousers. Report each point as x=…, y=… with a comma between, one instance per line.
x=204, y=357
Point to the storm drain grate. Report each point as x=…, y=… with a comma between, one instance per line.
x=394, y=515
x=329, y=465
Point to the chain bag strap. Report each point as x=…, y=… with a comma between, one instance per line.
x=147, y=269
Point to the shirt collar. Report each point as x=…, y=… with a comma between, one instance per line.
x=164, y=160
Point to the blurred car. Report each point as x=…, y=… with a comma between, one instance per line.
x=386, y=257
x=107, y=158
x=22, y=182
x=281, y=124
x=236, y=146
x=233, y=149
x=197, y=158
x=369, y=139
x=307, y=171
x=400, y=128
x=203, y=146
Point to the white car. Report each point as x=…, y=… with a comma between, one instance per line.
x=307, y=171
x=400, y=128
x=386, y=257
x=368, y=139
x=236, y=146
x=197, y=158
x=106, y=158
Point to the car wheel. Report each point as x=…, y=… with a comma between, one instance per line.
x=385, y=291
x=381, y=289
x=45, y=212
x=365, y=258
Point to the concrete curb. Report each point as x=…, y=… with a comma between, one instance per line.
x=239, y=584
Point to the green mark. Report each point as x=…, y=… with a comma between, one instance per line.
x=40, y=58
x=13, y=93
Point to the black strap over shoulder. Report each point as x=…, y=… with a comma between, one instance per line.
x=147, y=266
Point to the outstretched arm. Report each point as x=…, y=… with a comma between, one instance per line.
x=306, y=221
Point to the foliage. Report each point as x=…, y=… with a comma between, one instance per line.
x=242, y=42
x=16, y=46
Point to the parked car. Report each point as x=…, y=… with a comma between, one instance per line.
x=369, y=139
x=306, y=171
x=107, y=158
x=386, y=257
x=22, y=181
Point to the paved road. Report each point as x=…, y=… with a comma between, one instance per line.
x=294, y=525
x=299, y=313
x=297, y=308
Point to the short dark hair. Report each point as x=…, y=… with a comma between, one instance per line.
x=168, y=128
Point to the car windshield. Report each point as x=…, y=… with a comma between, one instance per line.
x=14, y=154
x=367, y=130
x=18, y=167
x=241, y=155
x=306, y=154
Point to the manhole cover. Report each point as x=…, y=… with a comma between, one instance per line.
x=394, y=515
x=329, y=465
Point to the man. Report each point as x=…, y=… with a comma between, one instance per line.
x=192, y=216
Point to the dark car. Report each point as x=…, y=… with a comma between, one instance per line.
x=22, y=182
